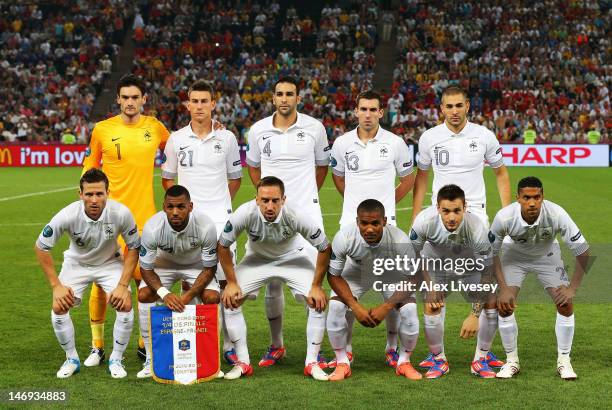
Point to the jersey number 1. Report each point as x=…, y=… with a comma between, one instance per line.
x=118, y=151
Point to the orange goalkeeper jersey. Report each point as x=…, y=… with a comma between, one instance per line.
x=127, y=155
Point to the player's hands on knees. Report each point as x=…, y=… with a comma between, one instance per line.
x=363, y=316
x=506, y=302
x=232, y=294
x=120, y=299
x=174, y=302
x=63, y=297
x=317, y=299
x=470, y=327
x=434, y=300
x=379, y=313
x=563, y=295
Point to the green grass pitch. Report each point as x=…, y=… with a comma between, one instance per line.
x=30, y=354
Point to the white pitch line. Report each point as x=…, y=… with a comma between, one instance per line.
x=24, y=224
x=10, y=198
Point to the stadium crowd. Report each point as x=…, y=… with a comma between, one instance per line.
x=541, y=65
x=245, y=49
x=55, y=58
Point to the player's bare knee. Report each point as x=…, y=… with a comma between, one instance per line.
x=566, y=310
x=210, y=297
x=146, y=295
x=58, y=310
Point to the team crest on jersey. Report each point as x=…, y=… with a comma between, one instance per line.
x=193, y=242
x=147, y=136
x=286, y=233
x=383, y=152
x=546, y=232
x=217, y=149
x=300, y=138
x=47, y=231
x=108, y=230
x=184, y=345
x=473, y=146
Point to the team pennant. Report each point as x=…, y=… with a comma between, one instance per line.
x=185, y=346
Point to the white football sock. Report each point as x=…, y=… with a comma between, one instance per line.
x=508, y=332
x=64, y=331
x=487, y=327
x=315, y=332
x=408, y=331
x=350, y=325
x=393, y=323
x=434, y=333
x=337, y=329
x=227, y=343
x=564, y=329
x=143, y=321
x=275, y=305
x=124, y=322
x=237, y=330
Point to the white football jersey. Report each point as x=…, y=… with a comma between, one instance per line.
x=195, y=247
x=431, y=239
x=275, y=239
x=292, y=157
x=533, y=241
x=349, y=246
x=92, y=242
x=369, y=170
x=459, y=159
x=203, y=167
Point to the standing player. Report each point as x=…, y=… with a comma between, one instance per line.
x=177, y=245
x=207, y=163
x=292, y=147
x=457, y=150
x=125, y=146
x=275, y=251
x=364, y=163
x=532, y=223
x=368, y=239
x=93, y=224
x=443, y=235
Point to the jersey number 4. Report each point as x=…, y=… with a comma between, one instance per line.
x=267, y=149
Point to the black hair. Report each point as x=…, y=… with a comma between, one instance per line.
x=371, y=205
x=201, y=85
x=130, y=80
x=271, y=181
x=530, y=182
x=92, y=176
x=177, y=190
x=450, y=193
x=290, y=80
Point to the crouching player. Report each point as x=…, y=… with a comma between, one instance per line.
x=353, y=247
x=447, y=238
x=178, y=244
x=275, y=251
x=93, y=224
x=532, y=224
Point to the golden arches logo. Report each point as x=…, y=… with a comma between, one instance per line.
x=6, y=157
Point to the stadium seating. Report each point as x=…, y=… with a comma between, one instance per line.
x=543, y=65
x=55, y=57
